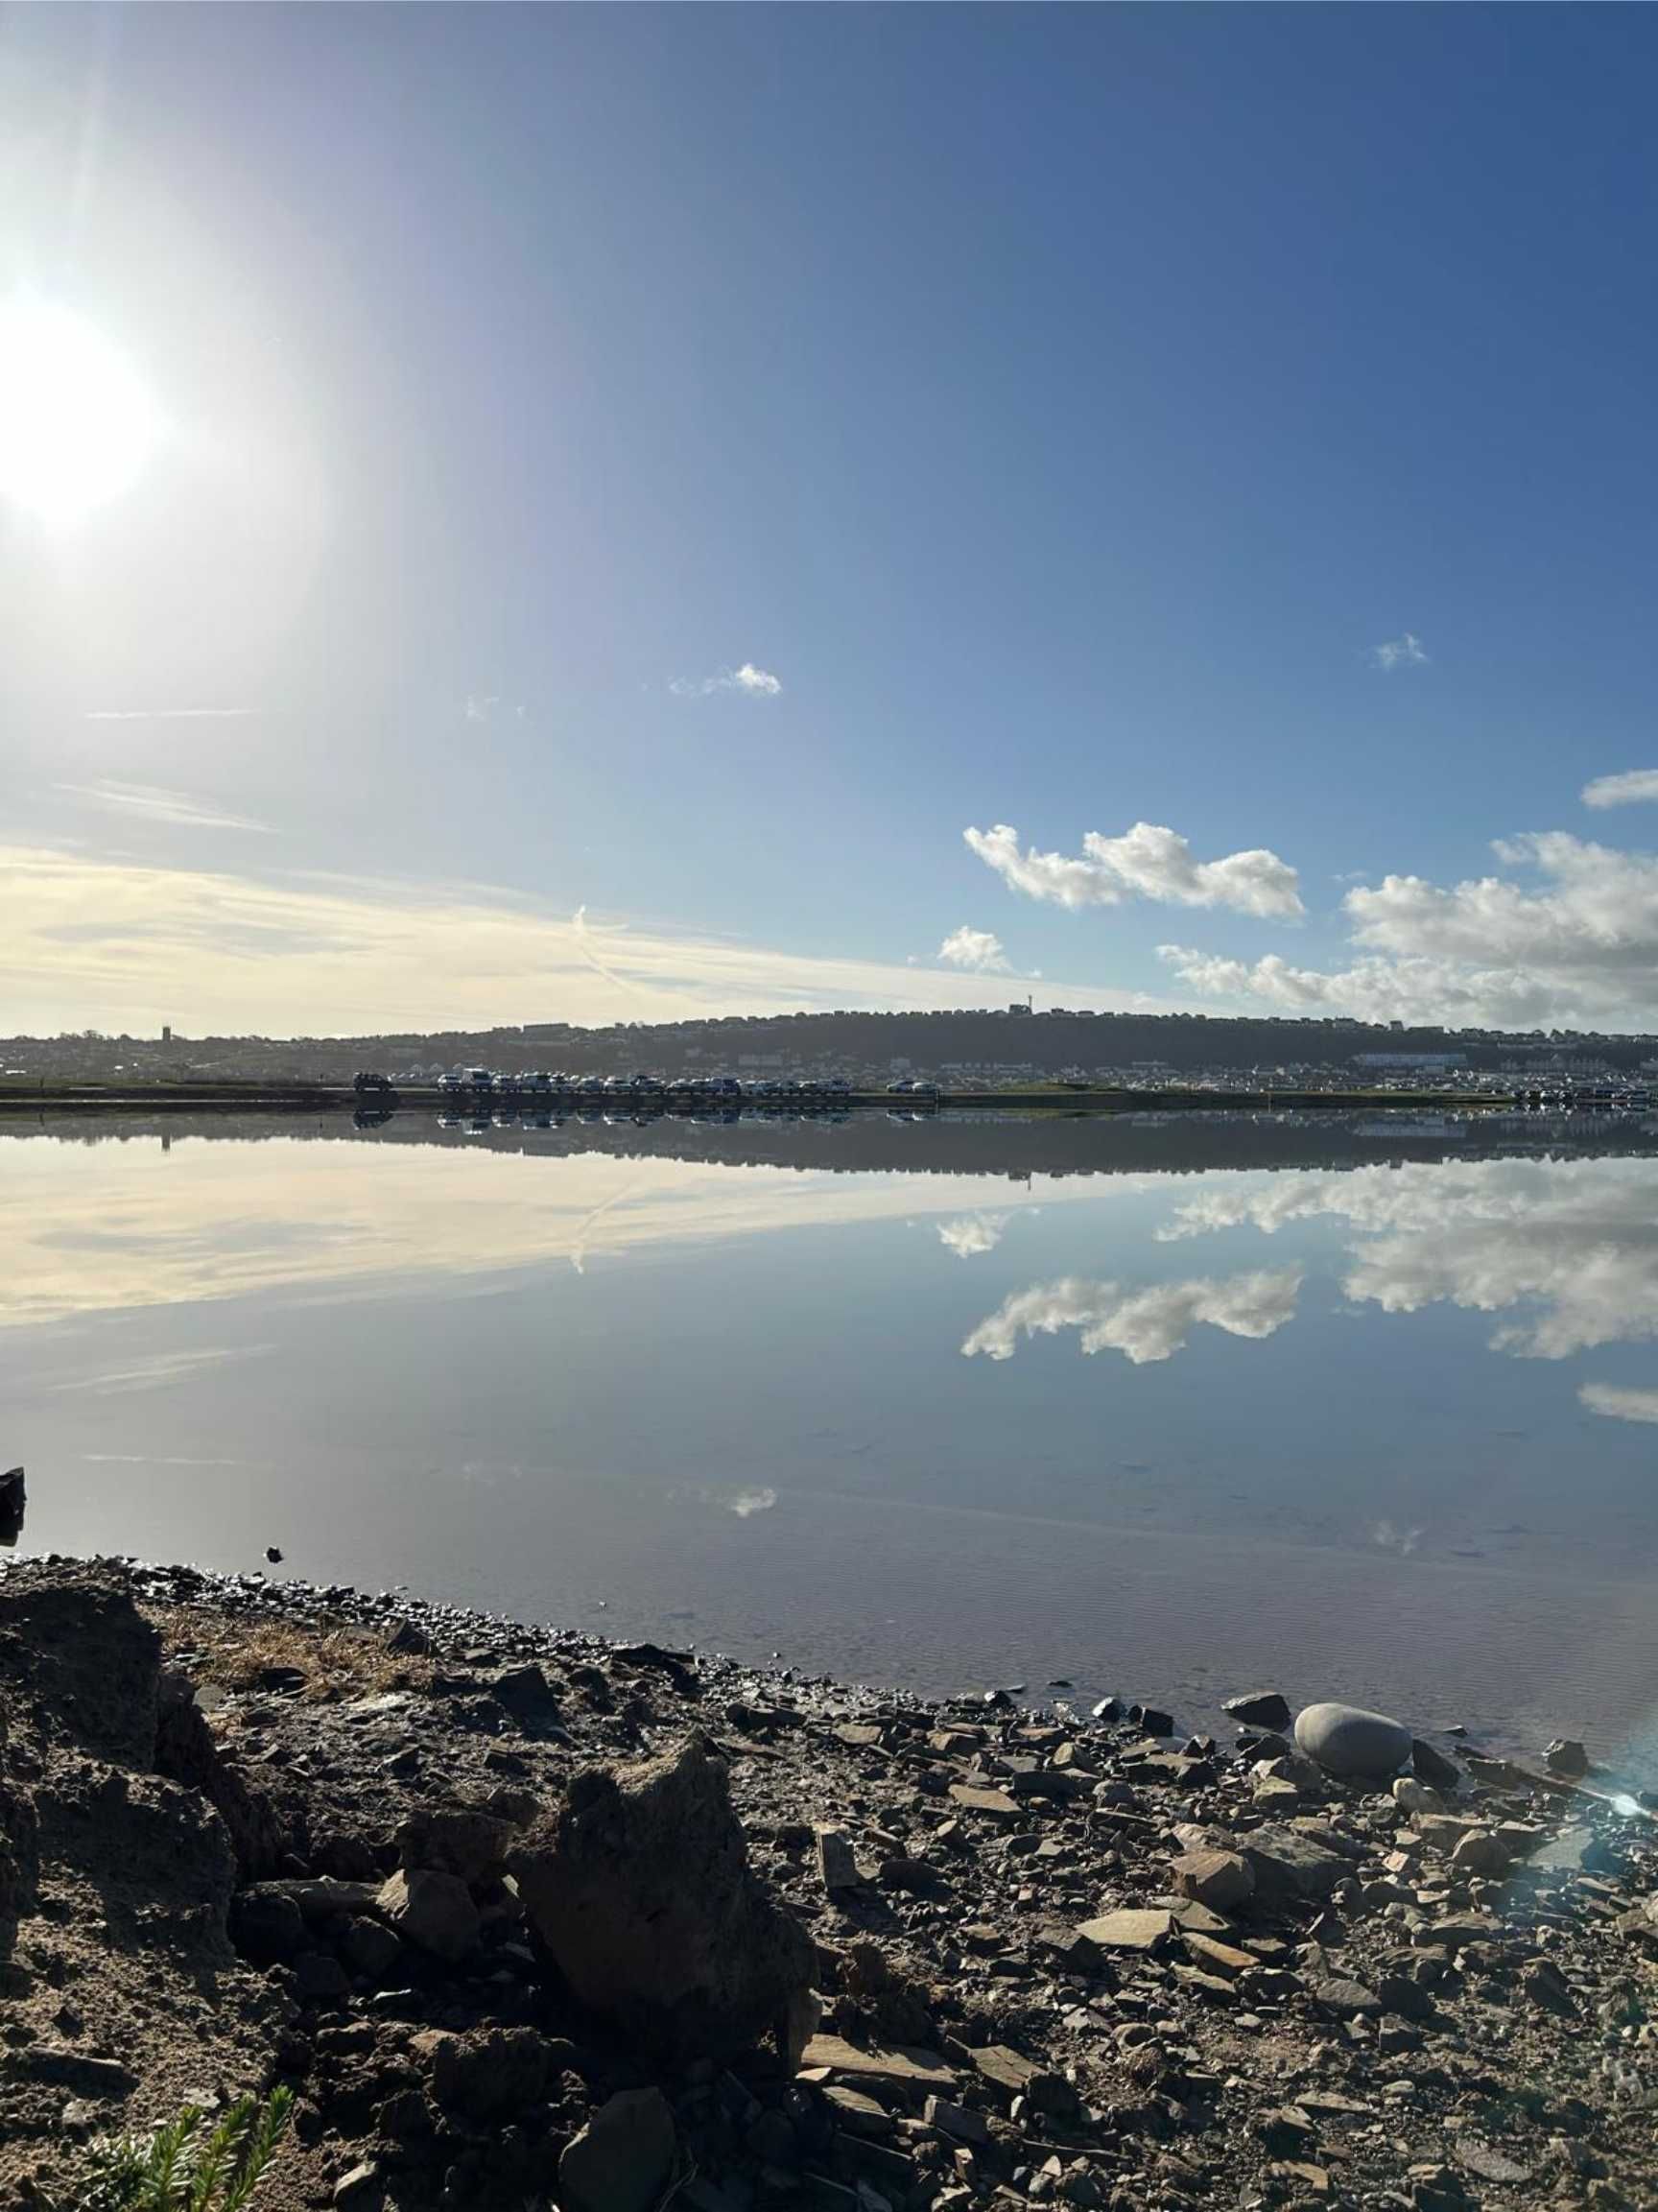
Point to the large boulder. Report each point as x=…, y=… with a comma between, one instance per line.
x=640, y=1889
x=1346, y=1740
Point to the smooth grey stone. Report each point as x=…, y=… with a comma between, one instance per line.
x=1347, y=1740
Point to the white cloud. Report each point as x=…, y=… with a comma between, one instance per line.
x=970, y=1234
x=1578, y=951
x=1143, y=1325
x=88, y=941
x=754, y=682
x=146, y=802
x=1399, y=653
x=977, y=949
x=1619, y=1405
x=1147, y=862
x=1634, y=787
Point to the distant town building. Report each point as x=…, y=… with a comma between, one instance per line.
x=1416, y=1060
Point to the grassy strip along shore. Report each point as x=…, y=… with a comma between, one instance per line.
x=526, y=1919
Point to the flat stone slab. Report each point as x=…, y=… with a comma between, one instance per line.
x=1128, y=1929
x=895, y=2063
x=995, y=1804
x=1347, y=1740
x=1348, y=2000
x=857, y=2114
x=1488, y=2162
x=1224, y=1959
x=1286, y=1863
x=1007, y=2070
x=1566, y=1853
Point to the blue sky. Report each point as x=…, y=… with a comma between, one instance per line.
x=1052, y=411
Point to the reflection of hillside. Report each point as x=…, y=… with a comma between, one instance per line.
x=1011, y=1145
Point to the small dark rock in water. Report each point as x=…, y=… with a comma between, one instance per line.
x=274, y=1553
x=1567, y=1757
x=11, y=1503
x=1151, y=1719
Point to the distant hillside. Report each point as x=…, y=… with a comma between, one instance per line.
x=968, y=1043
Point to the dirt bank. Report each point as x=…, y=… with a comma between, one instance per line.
x=529, y=1919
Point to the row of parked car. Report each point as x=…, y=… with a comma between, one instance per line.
x=540, y=1082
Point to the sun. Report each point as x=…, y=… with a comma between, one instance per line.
x=76, y=424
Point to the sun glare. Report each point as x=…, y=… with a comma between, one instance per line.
x=76, y=422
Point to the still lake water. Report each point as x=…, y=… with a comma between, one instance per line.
x=1170, y=1408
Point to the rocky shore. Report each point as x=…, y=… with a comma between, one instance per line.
x=528, y=1919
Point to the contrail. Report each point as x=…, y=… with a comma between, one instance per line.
x=579, y=923
x=170, y=713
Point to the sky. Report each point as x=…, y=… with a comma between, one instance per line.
x=613, y=513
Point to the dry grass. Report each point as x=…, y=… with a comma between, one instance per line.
x=336, y=1663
